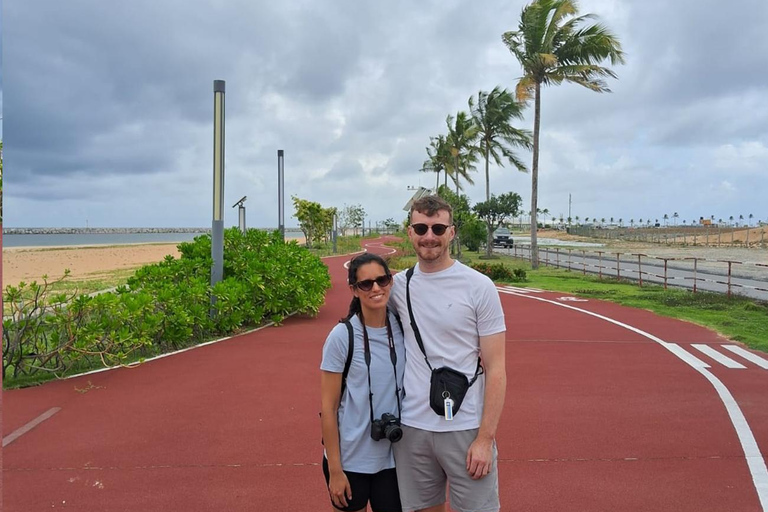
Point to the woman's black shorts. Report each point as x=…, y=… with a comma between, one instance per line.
x=378, y=488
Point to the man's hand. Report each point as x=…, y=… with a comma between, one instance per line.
x=480, y=458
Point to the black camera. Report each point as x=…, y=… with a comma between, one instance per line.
x=388, y=427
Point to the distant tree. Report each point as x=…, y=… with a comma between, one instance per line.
x=350, y=216
x=632, y=222
x=1, y=168
x=495, y=211
x=730, y=219
x=391, y=225
x=312, y=218
x=666, y=217
x=675, y=216
x=439, y=159
x=493, y=113
x=552, y=46
x=461, y=213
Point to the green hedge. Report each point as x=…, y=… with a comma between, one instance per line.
x=163, y=307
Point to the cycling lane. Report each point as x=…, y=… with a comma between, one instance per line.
x=597, y=418
x=602, y=417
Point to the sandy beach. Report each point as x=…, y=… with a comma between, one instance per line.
x=31, y=263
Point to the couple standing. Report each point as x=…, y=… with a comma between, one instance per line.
x=374, y=402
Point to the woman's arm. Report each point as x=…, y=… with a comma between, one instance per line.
x=330, y=394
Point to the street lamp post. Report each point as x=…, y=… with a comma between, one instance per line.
x=281, y=192
x=217, y=227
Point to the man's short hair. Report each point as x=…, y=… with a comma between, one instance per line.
x=430, y=205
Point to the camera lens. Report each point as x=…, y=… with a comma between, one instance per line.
x=393, y=433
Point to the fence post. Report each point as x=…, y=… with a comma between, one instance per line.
x=600, y=264
x=584, y=261
x=665, y=273
x=695, y=266
x=557, y=258
x=569, y=259
x=640, y=269
x=729, y=273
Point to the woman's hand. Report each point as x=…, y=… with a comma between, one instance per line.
x=339, y=489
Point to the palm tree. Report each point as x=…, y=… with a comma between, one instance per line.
x=552, y=48
x=666, y=218
x=493, y=113
x=632, y=222
x=439, y=158
x=731, y=219
x=675, y=216
x=750, y=219
x=462, y=134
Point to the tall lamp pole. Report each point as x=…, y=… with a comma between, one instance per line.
x=217, y=227
x=281, y=192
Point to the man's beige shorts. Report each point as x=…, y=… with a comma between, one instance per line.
x=425, y=461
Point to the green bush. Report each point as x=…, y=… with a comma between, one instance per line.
x=163, y=307
x=500, y=272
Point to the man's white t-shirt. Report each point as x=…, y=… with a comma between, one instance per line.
x=453, y=308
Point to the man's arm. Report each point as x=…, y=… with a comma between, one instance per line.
x=480, y=453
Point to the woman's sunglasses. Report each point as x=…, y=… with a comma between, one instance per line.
x=367, y=284
x=437, y=229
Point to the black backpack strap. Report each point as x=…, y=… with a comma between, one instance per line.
x=350, y=351
x=397, y=317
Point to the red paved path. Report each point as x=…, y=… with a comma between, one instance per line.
x=598, y=418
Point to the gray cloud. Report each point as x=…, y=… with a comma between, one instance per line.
x=107, y=107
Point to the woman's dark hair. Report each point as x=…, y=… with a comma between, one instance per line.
x=354, y=265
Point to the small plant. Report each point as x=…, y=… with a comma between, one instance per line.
x=500, y=272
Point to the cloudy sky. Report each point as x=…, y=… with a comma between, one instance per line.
x=107, y=108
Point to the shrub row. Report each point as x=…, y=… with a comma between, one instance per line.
x=163, y=307
x=500, y=272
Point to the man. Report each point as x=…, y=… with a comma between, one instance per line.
x=458, y=313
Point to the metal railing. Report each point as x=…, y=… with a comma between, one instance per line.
x=696, y=274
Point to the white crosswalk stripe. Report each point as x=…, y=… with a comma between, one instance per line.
x=717, y=356
x=749, y=356
x=521, y=290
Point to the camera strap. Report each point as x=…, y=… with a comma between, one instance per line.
x=417, y=334
x=392, y=357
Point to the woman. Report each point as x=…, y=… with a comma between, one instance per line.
x=361, y=413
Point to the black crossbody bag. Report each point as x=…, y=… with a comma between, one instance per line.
x=445, y=382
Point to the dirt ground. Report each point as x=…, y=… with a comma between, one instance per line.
x=28, y=264
x=741, y=254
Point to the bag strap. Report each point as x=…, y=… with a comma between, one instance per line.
x=478, y=371
x=350, y=350
x=415, y=327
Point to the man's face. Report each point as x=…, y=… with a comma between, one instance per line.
x=429, y=246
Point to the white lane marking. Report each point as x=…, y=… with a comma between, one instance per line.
x=755, y=459
x=29, y=426
x=749, y=356
x=523, y=290
x=717, y=356
x=571, y=299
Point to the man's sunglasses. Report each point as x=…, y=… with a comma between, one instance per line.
x=437, y=229
x=367, y=284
